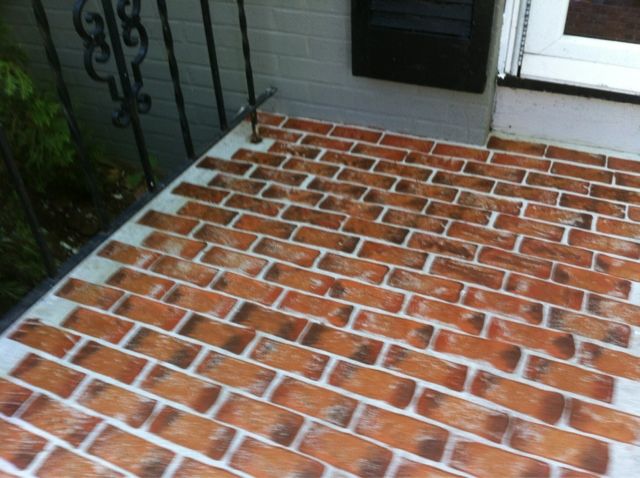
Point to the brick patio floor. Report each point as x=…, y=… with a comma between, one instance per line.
x=339, y=301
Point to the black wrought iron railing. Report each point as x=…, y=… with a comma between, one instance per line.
x=104, y=35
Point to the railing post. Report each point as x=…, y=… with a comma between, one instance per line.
x=175, y=78
x=65, y=99
x=32, y=220
x=213, y=64
x=246, y=50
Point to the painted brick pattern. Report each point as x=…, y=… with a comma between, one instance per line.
x=341, y=301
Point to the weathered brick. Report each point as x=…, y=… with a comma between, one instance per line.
x=19, y=447
x=225, y=237
x=248, y=186
x=375, y=230
x=399, y=256
x=308, y=125
x=442, y=246
x=217, y=333
x=367, y=295
x=295, y=149
x=355, y=347
x=150, y=312
x=458, y=212
x=236, y=373
x=465, y=272
x=515, y=262
x=526, y=192
x=504, y=304
x=554, y=343
x=401, y=201
x=610, y=361
x=269, y=321
x=89, y=294
x=247, y=288
x=607, y=244
x=328, y=143
x=611, y=309
x=190, y=190
x=479, y=459
x=163, y=347
x=128, y=254
x=379, y=151
x=489, y=203
x=109, y=361
x=140, y=283
x=311, y=216
x=521, y=161
x=592, y=205
x=323, y=309
x=575, y=156
x=439, y=162
x=48, y=375
x=464, y=319
x=559, y=216
x=234, y=261
x=415, y=221
x=367, y=179
x=592, y=281
x=62, y=462
x=37, y=335
x=502, y=356
x=545, y=291
x=360, y=134
x=529, y=228
x=201, y=300
x=284, y=177
x=605, y=422
x=351, y=208
x=184, y=270
x=591, y=327
x=168, y=222
x=116, y=402
x=12, y=396
x=407, y=142
x=176, y=246
x=517, y=146
x=346, y=266
x=411, y=332
x=268, y=227
x=299, y=255
x=456, y=151
x=290, y=358
x=464, y=181
x=329, y=240
x=426, y=285
x=301, y=279
x=557, y=252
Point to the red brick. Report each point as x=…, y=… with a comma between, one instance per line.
x=463, y=414
x=19, y=447
x=308, y=125
x=236, y=373
x=611, y=309
x=168, y=222
x=274, y=423
x=577, y=450
x=109, y=361
x=234, y=261
x=269, y=321
x=570, y=378
x=35, y=334
x=372, y=383
x=268, y=227
x=216, y=333
x=461, y=152
x=592, y=205
x=349, y=160
x=12, y=396
x=181, y=388
x=312, y=167
x=504, y=304
x=191, y=431
x=488, y=462
x=127, y=254
x=299, y=278
x=361, y=134
x=607, y=244
x=407, y=142
x=605, y=422
x=442, y=246
x=184, y=270
x=117, y=402
x=489, y=203
x=521, y=161
x=355, y=347
x=463, y=319
x=438, y=162
x=502, y=356
x=557, y=182
x=249, y=203
x=482, y=235
x=556, y=252
x=346, y=451
x=554, y=343
x=526, y=192
x=393, y=255
x=326, y=310
x=545, y=291
x=248, y=186
x=284, y=177
x=48, y=375
x=329, y=240
x=202, y=193
x=410, y=332
x=62, y=462
x=375, y=230
x=367, y=295
x=329, y=143
x=398, y=431
x=201, y=300
x=379, y=152
x=579, y=324
x=529, y=228
x=463, y=181
x=247, y=288
x=150, y=312
x=66, y=423
x=294, y=149
x=315, y=401
x=299, y=255
x=416, y=221
x=415, y=173
x=496, y=172
x=426, y=367
x=515, y=262
x=630, y=165
x=140, y=283
x=225, y=237
x=224, y=165
x=259, y=157
x=351, y=208
x=176, y=246
x=634, y=213
x=402, y=201
x=346, y=266
x=541, y=404
x=411, y=469
x=86, y=293
x=426, y=285
x=517, y=146
x=560, y=216
x=367, y=179
x=292, y=195
x=610, y=361
x=290, y=358
x=311, y=216
x=593, y=281
x=615, y=194
x=137, y=456
x=590, y=174
x=164, y=348
x=461, y=271
x=194, y=469
x=618, y=228
x=618, y=267
x=257, y=459
x=458, y=212
x=575, y=156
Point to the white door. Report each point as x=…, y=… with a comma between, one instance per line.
x=591, y=43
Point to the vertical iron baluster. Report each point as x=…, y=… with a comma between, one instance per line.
x=213, y=63
x=255, y=138
x=65, y=99
x=130, y=97
x=16, y=179
x=175, y=78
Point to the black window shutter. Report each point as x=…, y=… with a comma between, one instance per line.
x=443, y=43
